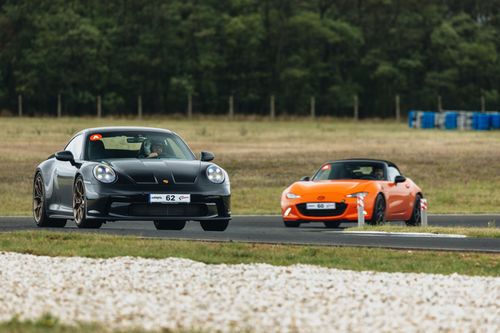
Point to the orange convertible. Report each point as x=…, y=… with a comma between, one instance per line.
x=330, y=196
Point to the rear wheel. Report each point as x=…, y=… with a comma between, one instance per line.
x=39, y=212
x=169, y=225
x=291, y=224
x=80, y=207
x=214, y=225
x=331, y=224
x=378, y=216
x=416, y=216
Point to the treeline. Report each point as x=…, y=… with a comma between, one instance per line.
x=212, y=49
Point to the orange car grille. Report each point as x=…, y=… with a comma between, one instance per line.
x=339, y=210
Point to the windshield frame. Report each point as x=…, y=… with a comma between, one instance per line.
x=131, y=132
x=381, y=163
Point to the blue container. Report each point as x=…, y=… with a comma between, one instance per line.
x=495, y=121
x=428, y=120
x=450, y=120
x=411, y=119
x=480, y=121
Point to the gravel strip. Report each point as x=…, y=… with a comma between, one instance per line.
x=177, y=293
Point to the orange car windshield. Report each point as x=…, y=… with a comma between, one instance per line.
x=351, y=170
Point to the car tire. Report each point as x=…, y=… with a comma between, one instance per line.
x=214, y=225
x=80, y=207
x=169, y=225
x=291, y=224
x=331, y=224
x=39, y=211
x=378, y=216
x=416, y=216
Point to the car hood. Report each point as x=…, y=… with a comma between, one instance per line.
x=152, y=171
x=329, y=186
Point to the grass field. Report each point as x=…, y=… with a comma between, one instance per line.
x=467, y=231
x=458, y=171
x=95, y=245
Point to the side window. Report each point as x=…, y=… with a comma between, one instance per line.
x=75, y=146
x=393, y=172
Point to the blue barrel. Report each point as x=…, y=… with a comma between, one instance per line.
x=495, y=121
x=450, y=120
x=411, y=119
x=428, y=120
x=480, y=121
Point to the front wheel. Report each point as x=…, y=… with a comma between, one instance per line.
x=80, y=207
x=169, y=225
x=416, y=216
x=378, y=216
x=214, y=225
x=39, y=212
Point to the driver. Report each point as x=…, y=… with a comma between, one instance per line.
x=156, y=150
x=378, y=173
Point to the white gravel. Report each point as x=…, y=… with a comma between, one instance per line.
x=178, y=293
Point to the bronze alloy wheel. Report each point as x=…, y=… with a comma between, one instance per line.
x=38, y=199
x=79, y=202
x=80, y=208
x=39, y=213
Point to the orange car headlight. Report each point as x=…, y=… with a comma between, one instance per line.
x=292, y=196
x=355, y=195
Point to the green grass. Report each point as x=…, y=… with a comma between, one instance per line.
x=51, y=324
x=358, y=259
x=457, y=170
x=467, y=231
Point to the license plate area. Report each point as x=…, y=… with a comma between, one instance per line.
x=166, y=198
x=320, y=205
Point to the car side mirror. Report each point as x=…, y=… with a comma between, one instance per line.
x=305, y=179
x=400, y=179
x=65, y=156
x=207, y=156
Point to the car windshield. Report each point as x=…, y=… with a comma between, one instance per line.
x=136, y=144
x=351, y=170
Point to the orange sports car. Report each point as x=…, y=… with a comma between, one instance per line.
x=330, y=196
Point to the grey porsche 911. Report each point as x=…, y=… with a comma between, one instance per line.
x=130, y=173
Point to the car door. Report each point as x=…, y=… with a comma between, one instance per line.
x=398, y=194
x=65, y=175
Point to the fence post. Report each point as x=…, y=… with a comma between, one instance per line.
x=231, y=107
x=139, y=107
x=483, y=104
x=360, y=199
x=20, y=105
x=272, y=108
x=99, y=107
x=190, y=106
x=59, y=106
x=356, y=107
x=398, y=109
x=440, y=104
x=313, y=107
x=423, y=212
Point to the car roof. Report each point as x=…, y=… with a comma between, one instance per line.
x=122, y=128
x=389, y=163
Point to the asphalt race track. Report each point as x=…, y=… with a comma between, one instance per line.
x=269, y=229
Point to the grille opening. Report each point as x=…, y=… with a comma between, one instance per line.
x=340, y=208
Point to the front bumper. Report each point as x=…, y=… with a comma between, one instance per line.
x=345, y=211
x=130, y=205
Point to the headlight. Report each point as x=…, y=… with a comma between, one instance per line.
x=292, y=196
x=104, y=173
x=215, y=174
x=355, y=195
